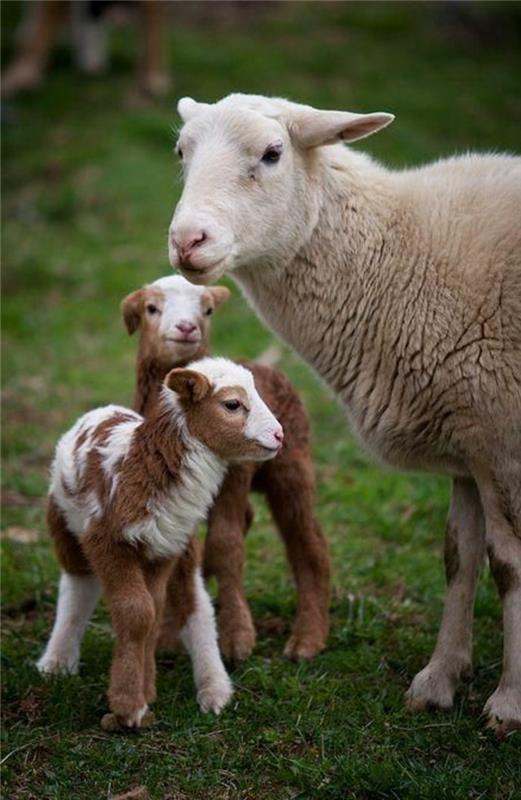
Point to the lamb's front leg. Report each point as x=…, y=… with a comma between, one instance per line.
x=224, y=558
x=199, y=636
x=435, y=685
x=133, y=620
x=157, y=575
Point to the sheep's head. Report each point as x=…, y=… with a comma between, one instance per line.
x=173, y=318
x=222, y=408
x=249, y=164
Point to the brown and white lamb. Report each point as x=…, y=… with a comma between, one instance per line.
x=126, y=494
x=173, y=319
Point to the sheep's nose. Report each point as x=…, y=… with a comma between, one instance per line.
x=279, y=436
x=185, y=242
x=186, y=327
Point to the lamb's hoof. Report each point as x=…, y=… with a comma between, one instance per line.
x=64, y=665
x=303, y=647
x=432, y=688
x=236, y=641
x=140, y=719
x=503, y=710
x=215, y=695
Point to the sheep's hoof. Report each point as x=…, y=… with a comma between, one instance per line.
x=503, y=710
x=112, y=723
x=236, y=640
x=300, y=647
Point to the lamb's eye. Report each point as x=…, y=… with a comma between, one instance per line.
x=232, y=405
x=152, y=309
x=272, y=154
x=208, y=311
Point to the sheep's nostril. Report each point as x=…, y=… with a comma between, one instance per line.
x=184, y=244
x=279, y=436
x=186, y=327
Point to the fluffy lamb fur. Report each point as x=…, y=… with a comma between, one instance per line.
x=402, y=289
x=126, y=494
x=173, y=320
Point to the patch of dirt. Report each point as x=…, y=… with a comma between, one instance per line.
x=15, y=533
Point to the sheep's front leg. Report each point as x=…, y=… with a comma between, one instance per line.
x=290, y=489
x=156, y=578
x=133, y=620
x=224, y=558
x=435, y=685
x=199, y=636
x=502, y=502
x=77, y=599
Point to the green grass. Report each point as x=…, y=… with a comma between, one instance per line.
x=89, y=184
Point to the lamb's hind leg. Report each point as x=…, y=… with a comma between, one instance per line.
x=78, y=595
x=502, y=502
x=290, y=488
x=435, y=685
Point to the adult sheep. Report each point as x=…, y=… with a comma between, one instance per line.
x=402, y=289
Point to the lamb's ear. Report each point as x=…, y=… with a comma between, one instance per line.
x=312, y=128
x=219, y=294
x=188, y=384
x=131, y=309
x=188, y=108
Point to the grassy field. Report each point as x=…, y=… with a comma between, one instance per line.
x=89, y=182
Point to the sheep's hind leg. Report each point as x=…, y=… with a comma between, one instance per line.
x=77, y=599
x=502, y=502
x=435, y=685
x=199, y=636
x=78, y=594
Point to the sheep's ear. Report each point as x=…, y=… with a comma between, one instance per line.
x=312, y=128
x=219, y=294
x=131, y=310
x=188, y=384
x=188, y=108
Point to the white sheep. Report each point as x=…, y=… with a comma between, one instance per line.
x=402, y=289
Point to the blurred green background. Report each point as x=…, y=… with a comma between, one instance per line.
x=89, y=184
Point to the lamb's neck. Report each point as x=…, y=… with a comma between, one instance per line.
x=177, y=476
x=150, y=373
x=332, y=285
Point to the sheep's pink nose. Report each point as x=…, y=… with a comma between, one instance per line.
x=186, y=327
x=279, y=436
x=186, y=242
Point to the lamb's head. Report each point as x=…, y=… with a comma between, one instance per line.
x=221, y=408
x=251, y=195
x=173, y=318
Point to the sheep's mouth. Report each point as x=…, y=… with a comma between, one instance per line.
x=182, y=341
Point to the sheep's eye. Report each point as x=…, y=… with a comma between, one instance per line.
x=179, y=153
x=152, y=309
x=208, y=311
x=272, y=154
x=232, y=405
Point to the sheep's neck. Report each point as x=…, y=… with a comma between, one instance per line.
x=333, y=284
x=150, y=373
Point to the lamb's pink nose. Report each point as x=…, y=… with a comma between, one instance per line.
x=186, y=242
x=279, y=436
x=186, y=327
